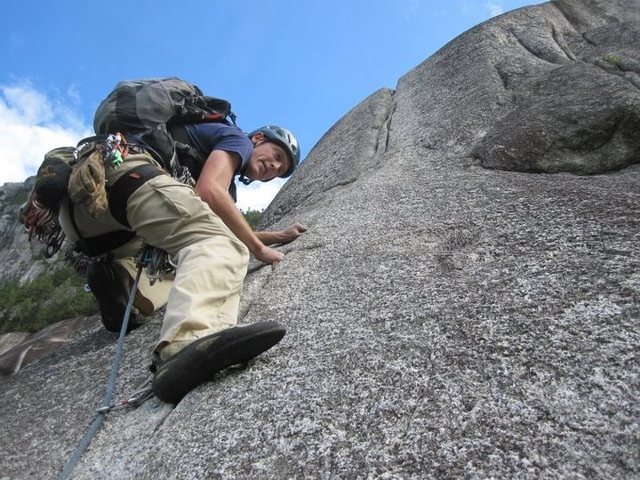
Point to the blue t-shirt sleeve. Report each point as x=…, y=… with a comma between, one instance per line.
x=207, y=137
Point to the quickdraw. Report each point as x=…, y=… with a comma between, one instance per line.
x=136, y=399
x=182, y=174
x=157, y=263
x=114, y=148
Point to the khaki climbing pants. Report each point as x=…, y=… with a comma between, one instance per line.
x=211, y=262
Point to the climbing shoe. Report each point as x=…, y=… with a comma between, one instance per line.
x=201, y=360
x=111, y=291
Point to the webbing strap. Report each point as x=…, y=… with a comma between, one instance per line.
x=179, y=134
x=100, y=244
x=119, y=193
x=96, y=246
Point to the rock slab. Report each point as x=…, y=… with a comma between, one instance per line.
x=450, y=313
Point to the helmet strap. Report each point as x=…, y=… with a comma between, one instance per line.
x=243, y=178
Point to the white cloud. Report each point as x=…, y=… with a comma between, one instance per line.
x=495, y=7
x=258, y=195
x=32, y=123
x=482, y=10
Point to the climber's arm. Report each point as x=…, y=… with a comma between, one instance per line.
x=217, y=173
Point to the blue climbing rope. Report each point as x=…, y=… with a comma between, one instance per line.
x=106, y=401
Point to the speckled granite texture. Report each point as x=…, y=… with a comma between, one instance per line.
x=445, y=320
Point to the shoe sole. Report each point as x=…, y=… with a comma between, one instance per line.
x=201, y=360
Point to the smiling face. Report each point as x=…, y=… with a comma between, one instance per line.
x=268, y=160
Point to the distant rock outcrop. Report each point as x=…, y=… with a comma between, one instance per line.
x=19, y=259
x=444, y=320
x=34, y=347
x=10, y=340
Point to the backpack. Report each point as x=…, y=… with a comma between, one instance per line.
x=52, y=183
x=149, y=108
x=39, y=214
x=138, y=105
x=53, y=175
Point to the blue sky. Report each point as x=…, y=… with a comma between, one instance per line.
x=299, y=64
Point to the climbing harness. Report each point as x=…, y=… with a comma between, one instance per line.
x=136, y=399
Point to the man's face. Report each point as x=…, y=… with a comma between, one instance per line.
x=268, y=160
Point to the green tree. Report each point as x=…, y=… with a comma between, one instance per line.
x=252, y=217
x=52, y=296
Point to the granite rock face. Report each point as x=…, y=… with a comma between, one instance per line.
x=576, y=95
x=20, y=260
x=445, y=320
